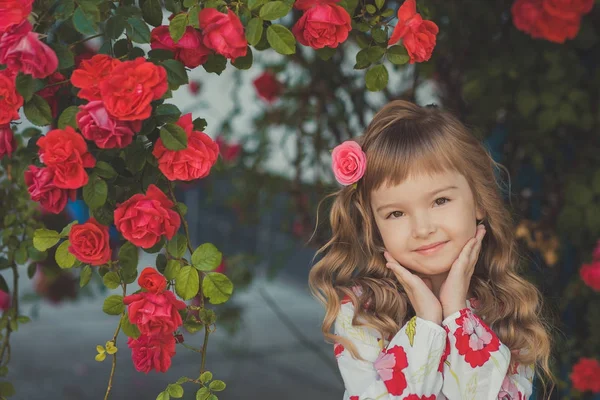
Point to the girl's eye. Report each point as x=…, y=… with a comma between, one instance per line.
x=397, y=214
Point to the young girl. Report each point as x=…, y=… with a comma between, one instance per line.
x=419, y=277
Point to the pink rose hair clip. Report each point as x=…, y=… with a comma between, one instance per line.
x=348, y=162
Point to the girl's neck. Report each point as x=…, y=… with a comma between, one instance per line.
x=436, y=282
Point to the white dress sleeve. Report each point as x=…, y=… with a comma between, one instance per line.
x=408, y=367
x=476, y=363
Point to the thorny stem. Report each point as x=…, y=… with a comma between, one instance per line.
x=204, y=345
x=184, y=222
x=114, y=340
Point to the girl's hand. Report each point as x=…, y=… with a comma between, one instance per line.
x=426, y=305
x=453, y=292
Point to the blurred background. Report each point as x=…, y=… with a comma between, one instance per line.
x=534, y=102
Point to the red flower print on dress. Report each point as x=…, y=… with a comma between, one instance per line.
x=338, y=349
x=445, y=354
x=509, y=391
x=423, y=397
x=474, y=339
x=389, y=366
x=354, y=398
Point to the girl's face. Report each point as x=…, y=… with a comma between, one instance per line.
x=423, y=211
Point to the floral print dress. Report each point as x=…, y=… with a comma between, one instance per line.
x=462, y=359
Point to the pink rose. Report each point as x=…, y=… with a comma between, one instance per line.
x=21, y=50
x=155, y=313
x=223, y=33
x=4, y=300
x=107, y=132
x=349, y=162
x=13, y=12
x=8, y=143
x=323, y=24
x=189, y=49
x=40, y=184
x=191, y=163
x=590, y=274
x=143, y=219
x=152, y=352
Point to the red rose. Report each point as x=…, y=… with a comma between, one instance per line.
x=8, y=144
x=143, y=219
x=194, y=87
x=418, y=35
x=152, y=352
x=223, y=33
x=41, y=188
x=191, y=163
x=268, y=87
x=154, y=313
x=553, y=20
x=590, y=274
x=229, y=151
x=91, y=73
x=13, y=12
x=49, y=92
x=106, y=131
x=4, y=300
x=322, y=24
x=585, y=375
x=89, y=242
x=189, y=49
x=21, y=50
x=151, y=280
x=66, y=153
x=10, y=99
x=131, y=87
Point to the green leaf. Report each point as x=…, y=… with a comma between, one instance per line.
x=254, y=31
x=217, y=287
x=111, y=280
x=135, y=156
x=398, y=55
x=64, y=55
x=177, y=26
x=3, y=370
x=244, y=62
x=113, y=305
x=189, y=3
x=160, y=54
x=166, y=113
x=371, y=9
x=181, y=208
x=281, y=39
x=217, y=385
x=84, y=23
x=175, y=390
x=206, y=257
x=38, y=111
x=21, y=254
x=163, y=396
x=7, y=389
x=172, y=269
x=67, y=229
x=115, y=26
x=203, y=394
x=254, y=4
x=161, y=263
x=176, y=73
x=379, y=4
x=43, y=239
x=374, y=53
x=215, y=63
x=128, y=260
x=95, y=192
x=173, y=137
x=206, y=377
x=85, y=276
x=377, y=78
x=152, y=12
x=138, y=30
x=129, y=329
x=379, y=35
x=177, y=245
x=64, y=9
x=325, y=53
x=25, y=86
x=199, y=125
x=3, y=284
x=22, y=319
x=63, y=257
x=274, y=10
x=68, y=117
x=527, y=102
x=187, y=283
x=105, y=170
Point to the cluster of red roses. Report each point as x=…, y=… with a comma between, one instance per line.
x=553, y=20
x=155, y=312
x=21, y=51
x=590, y=273
x=584, y=375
